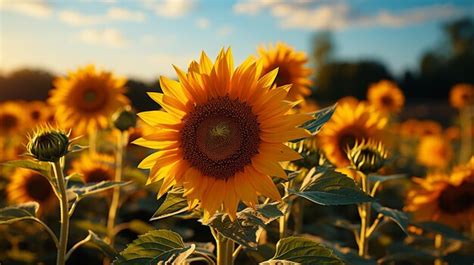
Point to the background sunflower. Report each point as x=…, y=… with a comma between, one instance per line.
x=386, y=96
x=94, y=167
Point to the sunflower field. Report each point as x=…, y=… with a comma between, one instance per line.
x=236, y=163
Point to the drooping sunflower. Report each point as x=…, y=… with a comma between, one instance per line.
x=462, y=95
x=27, y=185
x=349, y=124
x=434, y=151
x=12, y=119
x=291, y=68
x=386, y=96
x=448, y=199
x=221, y=135
x=94, y=167
x=86, y=99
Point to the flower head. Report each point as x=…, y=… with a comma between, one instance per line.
x=222, y=133
x=124, y=119
x=367, y=156
x=94, y=167
x=462, y=95
x=11, y=119
x=291, y=69
x=48, y=144
x=86, y=99
x=386, y=96
x=434, y=151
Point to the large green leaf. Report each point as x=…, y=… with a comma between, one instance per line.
x=174, y=203
x=44, y=168
x=18, y=212
x=304, y=251
x=399, y=217
x=320, y=118
x=243, y=230
x=331, y=188
x=153, y=247
x=440, y=229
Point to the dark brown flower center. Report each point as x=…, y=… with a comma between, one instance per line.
x=283, y=77
x=35, y=115
x=348, y=138
x=387, y=101
x=457, y=199
x=97, y=175
x=38, y=188
x=8, y=122
x=93, y=99
x=220, y=137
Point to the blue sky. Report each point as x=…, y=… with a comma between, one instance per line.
x=142, y=38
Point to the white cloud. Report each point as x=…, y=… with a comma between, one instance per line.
x=107, y=37
x=225, y=31
x=170, y=8
x=203, y=23
x=113, y=14
x=34, y=8
x=340, y=15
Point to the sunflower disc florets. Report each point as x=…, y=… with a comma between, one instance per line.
x=48, y=144
x=367, y=156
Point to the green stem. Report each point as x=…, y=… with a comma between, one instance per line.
x=116, y=193
x=466, y=139
x=225, y=249
x=283, y=220
x=438, y=246
x=364, y=220
x=63, y=236
x=92, y=142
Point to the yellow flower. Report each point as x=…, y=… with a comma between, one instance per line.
x=27, y=185
x=222, y=133
x=462, y=95
x=386, y=96
x=86, y=99
x=12, y=119
x=349, y=123
x=94, y=167
x=445, y=199
x=434, y=151
x=428, y=127
x=39, y=112
x=291, y=69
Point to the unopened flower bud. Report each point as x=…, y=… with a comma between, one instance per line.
x=48, y=144
x=124, y=119
x=367, y=156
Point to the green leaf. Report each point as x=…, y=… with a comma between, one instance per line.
x=375, y=178
x=77, y=148
x=331, y=188
x=304, y=251
x=18, y=212
x=399, y=217
x=44, y=168
x=320, y=118
x=95, y=241
x=174, y=203
x=175, y=256
x=148, y=248
x=84, y=190
x=441, y=229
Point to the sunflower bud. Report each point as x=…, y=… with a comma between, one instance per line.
x=124, y=119
x=367, y=156
x=48, y=144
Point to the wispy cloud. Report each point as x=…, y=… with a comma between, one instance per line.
x=203, y=23
x=113, y=14
x=107, y=37
x=340, y=15
x=34, y=8
x=170, y=8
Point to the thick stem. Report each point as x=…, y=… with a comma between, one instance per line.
x=114, y=205
x=466, y=139
x=364, y=221
x=438, y=246
x=298, y=216
x=92, y=142
x=283, y=220
x=225, y=249
x=63, y=236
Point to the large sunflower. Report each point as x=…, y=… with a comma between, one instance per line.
x=386, y=96
x=291, y=69
x=221, y=135
x=12, y=119
x=86, y=99
x=462, y=95
x=27, y=185
x=448, y=199
x=94, y=167
x=350, y=123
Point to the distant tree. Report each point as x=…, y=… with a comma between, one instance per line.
x=25, y=84
x=136, y=92
x=323, y=47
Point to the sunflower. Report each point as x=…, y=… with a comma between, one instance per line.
x=39, y=112
x=348, y=100
x=349, y=124
x=445, y=199
x=12, y=120
x=409, y=128
x=222, y=133
x=386, y=96
x=462, y=95
x=86, y=99
x=27, y=185
x=291, y=69
x=434, y=151
x=94, y=167
x=428, y=127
